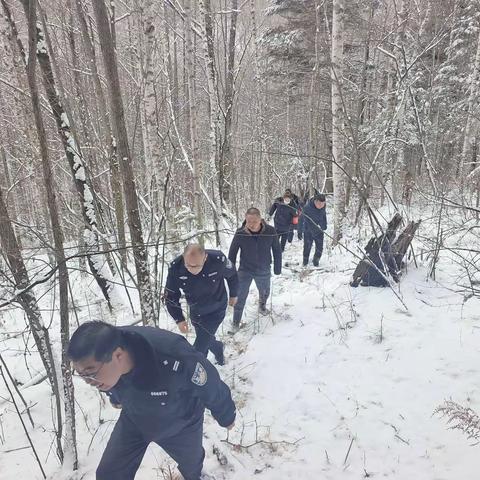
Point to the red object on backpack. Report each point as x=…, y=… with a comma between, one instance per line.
x=295, y=220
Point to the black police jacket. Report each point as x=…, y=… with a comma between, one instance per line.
x=170, y=385
x=256, y=249
x=205, y=292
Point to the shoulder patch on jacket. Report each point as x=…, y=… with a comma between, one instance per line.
x=199, y=376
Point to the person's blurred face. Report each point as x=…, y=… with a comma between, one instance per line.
x=102, y=375
x=194, y=261
x=286, y=200
x=319, y=203
x=253, y=222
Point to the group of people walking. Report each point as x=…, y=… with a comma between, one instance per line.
x=309, y=218
x=160, y=381
x=201, y=274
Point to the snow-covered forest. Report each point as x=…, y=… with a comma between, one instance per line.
x=130, y=128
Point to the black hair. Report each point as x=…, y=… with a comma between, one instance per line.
x=253, y=211
x=319, y=196
x=95, y=339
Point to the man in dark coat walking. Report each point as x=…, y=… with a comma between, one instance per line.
x=297, y=205
x=162, y=384
x=201, y=275
x=313, y=224
x=256, y=241
x=284, y=212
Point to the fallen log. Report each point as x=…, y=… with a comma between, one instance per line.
x=384, y=255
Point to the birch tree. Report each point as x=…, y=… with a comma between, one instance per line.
x=470, y=137
x=214, y=111
x=106, y=125
x=130, y=194
x=338, y=133
x=192, y=114
x=153, y=146
x=225, y=154
x=75, y=160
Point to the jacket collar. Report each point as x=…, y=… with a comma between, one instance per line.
x=145, y=374
x=248, y=232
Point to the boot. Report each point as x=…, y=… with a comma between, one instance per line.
x=316, y=261
x=206, y=476
x=220, y=358
x=236, y=326
x=176, y=476
x=237, y=318
x=262, y=309
x=305, y=262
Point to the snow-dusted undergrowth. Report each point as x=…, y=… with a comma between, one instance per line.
x=337, y=383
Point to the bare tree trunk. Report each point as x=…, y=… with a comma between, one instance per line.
x=110, y=141
x=260, y=166
x=26, y=299
x=8, y=184
x=51, y=197
x=226, y=157
x=402, y=162
x=192, y=115
x=209, y=55
x=76, y=163
x=471, y=120
x=360, y=121
x=314, y=87
x=134, y=223
x=339, y=206
x=169, y=63
x=153, y=147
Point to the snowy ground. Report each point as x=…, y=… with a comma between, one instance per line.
x=337, y=383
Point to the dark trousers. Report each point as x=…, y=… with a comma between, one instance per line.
x=262, y=281
x=205, y=328
x=283, y=235
x=126, y=448
x=290, y=234
x=308, y=240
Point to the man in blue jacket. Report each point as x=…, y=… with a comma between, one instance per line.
x=162, y=385
x=313, y=224
x=256, y=241
x=284, y=211
x=201, y=275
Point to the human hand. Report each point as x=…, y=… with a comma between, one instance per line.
x=232, y=301
x=183, y=326
x=231, y=426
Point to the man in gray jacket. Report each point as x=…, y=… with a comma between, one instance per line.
x=257, y=241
